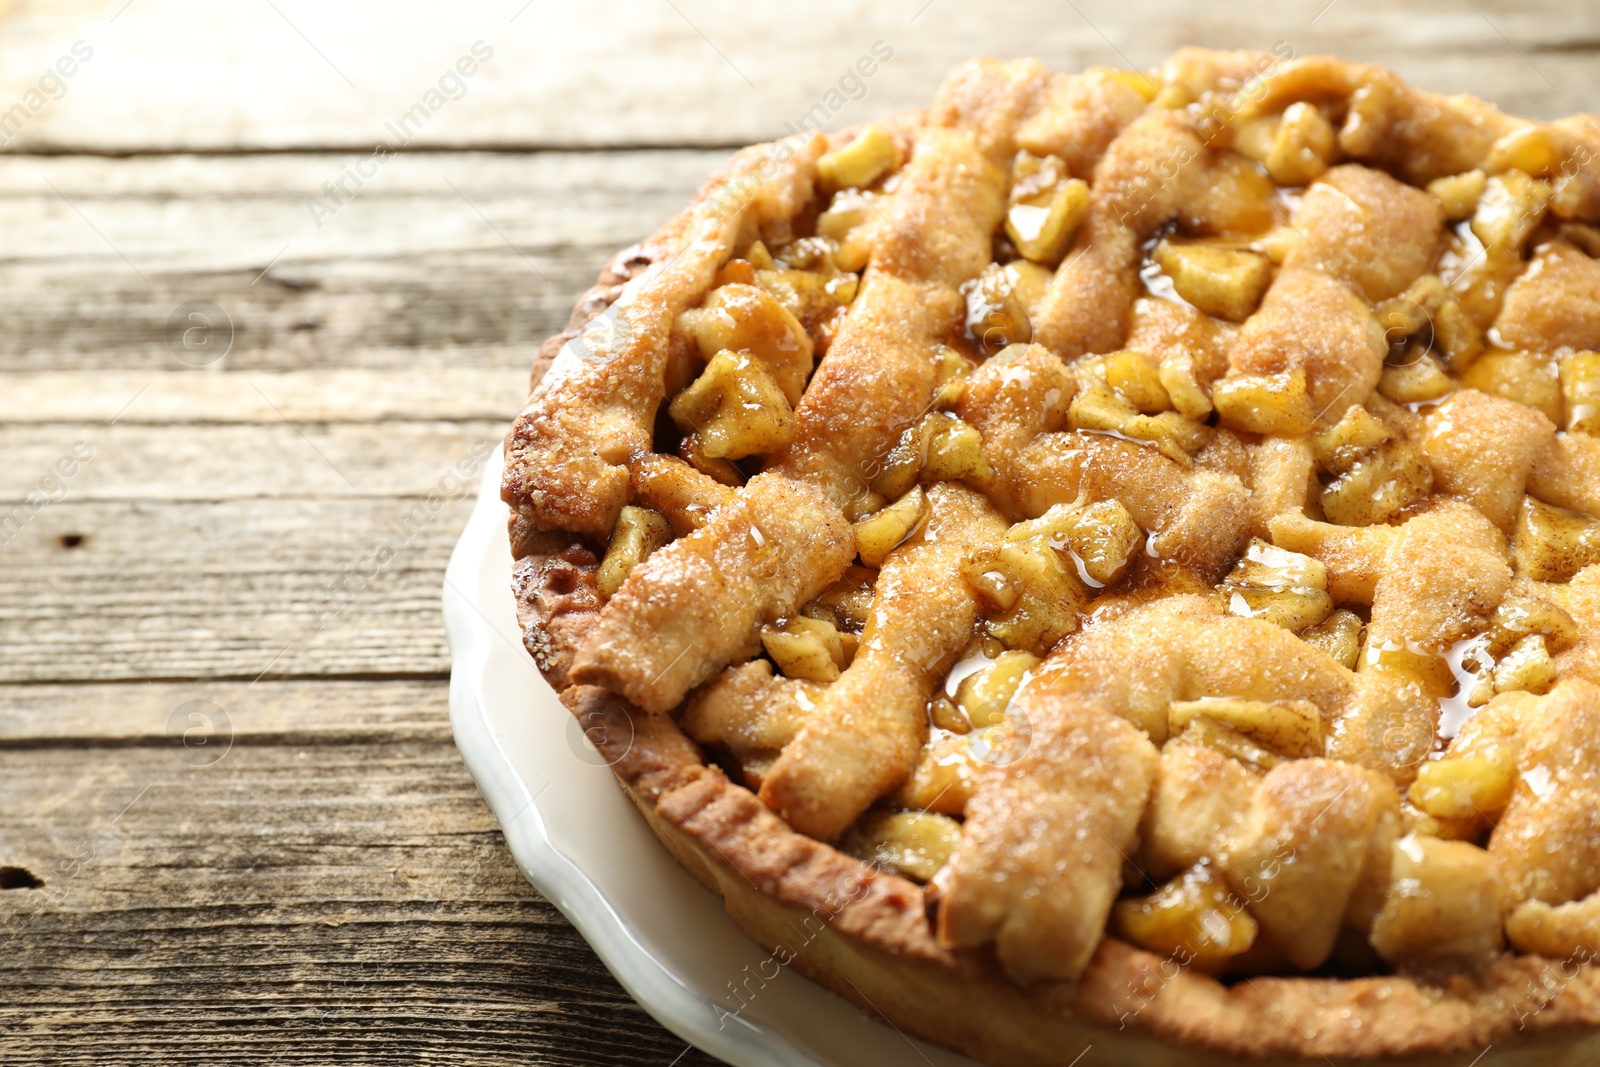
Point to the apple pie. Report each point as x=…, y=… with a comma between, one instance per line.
x=1110, y=560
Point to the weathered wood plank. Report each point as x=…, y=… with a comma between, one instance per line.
x=237, y=212
x=292, y=902
x=429, y=312
x=440, y=261
x=227, y=589
x=231, y=461
x=274, y=824
x=507, y=985
x=298, y=711
x=694, y=72
x=424, y=394
x=333, y=888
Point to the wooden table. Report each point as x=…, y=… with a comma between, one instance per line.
x=233, y=824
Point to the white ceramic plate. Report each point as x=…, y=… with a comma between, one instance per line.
x=583, y=845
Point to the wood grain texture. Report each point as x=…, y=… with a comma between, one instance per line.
x=228, y=589
x=332, y=889
x=438, y=263
x=452, y=394
x=640, y=72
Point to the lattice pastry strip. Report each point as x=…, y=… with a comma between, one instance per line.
x=870, y=724
x=567, y=455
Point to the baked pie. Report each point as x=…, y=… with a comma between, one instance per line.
x=1111, y=559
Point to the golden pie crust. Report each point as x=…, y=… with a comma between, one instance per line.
x=1110, y=561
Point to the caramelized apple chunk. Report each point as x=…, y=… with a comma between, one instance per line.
x=1206, y=732
x=862, y=162
x=745, y=318
x=1459, y=193
x=852, y=222
x=1280, y=586
x=1552, y=544
x=1102, y=538
x=735, y=408
x=911, y=843
x=1046, y=205
x=1509, y=210
x=812, y=650
x=1224, y=282
x=1387, y=480
x=1376, y=472
x=997, y=309
x=1265, y=403
x=1339, y=635
x=879, y=533
x=1039, y=595
x=1303, y=146
x=984, y=695
x=1468, y=784
x=1194, y=919
x=1098, y=407
x=1291, y=728
x=1580, y=389
x=639, y=532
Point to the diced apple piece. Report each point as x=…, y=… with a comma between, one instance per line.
x=1046, y=207
x=913, y=843
x=1339, y=635
x=1195, y=919
x=1580, y=388
x=805, y=648
x=1225, y=282
x=1458, y=193
x=985, y=694
x=872, y=154
x=1290, y=728
x=1265, y=403
x=639, y=532
x=1526, y=668
x=745, y=318
x=881, y=532
x=1303, y=146
x=1474, y=785
x=1510, y=209
x=735, y=408
x=1282, y=587
x=1552, y=544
